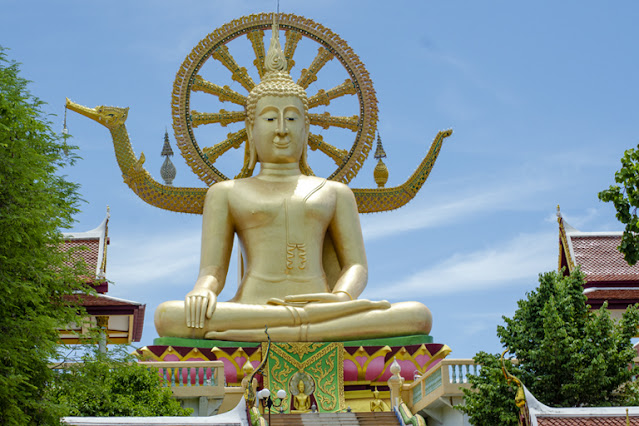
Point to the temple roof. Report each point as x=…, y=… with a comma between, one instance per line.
x=126, y=317
x=542, y=415
x=597, y=255
x=587, y=421
x=91, y=247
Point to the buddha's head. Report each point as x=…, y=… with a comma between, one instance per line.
x=277, y=121
x=300, y=386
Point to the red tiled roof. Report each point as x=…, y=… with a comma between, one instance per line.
x=586, y=421
x=85, y=249
x=600, y=260
x=613, y=294
x=100, y=300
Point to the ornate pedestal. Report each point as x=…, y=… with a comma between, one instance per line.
x=344, y=374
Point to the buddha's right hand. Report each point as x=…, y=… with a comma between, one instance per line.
x=199, y=305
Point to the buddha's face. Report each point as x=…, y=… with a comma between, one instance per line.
x=300, y=386
x=279, y=130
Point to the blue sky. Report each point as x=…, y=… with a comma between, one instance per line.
x=541, y=96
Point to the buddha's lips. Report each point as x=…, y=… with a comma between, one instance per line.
x=283, y=144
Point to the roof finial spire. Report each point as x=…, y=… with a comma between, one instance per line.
x=167, y=171
x=381, y=171
x=379, y=151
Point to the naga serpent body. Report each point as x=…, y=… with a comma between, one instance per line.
x=191, y=200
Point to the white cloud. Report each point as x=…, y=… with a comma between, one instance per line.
x=521, y=259
x=150, y=260
x=452, y=210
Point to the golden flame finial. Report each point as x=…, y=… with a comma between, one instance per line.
x=275, y=60
x=520, y=396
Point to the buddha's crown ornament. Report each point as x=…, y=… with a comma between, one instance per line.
x=276, y=81
x=275, y=60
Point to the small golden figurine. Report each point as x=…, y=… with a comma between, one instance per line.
x=378, y=405
x=301, y=401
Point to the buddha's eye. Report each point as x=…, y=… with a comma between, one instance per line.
x=290, y=118
x=270, y=119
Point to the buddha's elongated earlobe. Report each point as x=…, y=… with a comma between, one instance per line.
x=251, y=146
x=304, y=159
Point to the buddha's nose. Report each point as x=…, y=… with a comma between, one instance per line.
x=281, y=128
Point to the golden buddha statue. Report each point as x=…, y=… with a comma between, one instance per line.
x=300, y=237
x=301, y=401
x=378, y=405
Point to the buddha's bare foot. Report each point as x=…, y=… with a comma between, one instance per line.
x=380, y=304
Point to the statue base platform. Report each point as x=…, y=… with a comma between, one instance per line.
x=361, y=365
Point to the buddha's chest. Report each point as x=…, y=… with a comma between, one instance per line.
x=294, y=209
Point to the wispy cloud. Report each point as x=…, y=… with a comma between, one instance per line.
x=418, y=215
x=149, y=260
x=517, y=260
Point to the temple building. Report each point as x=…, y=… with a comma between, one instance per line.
x=608, y=276
x=122, y=319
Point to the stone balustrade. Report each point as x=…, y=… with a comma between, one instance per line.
x=192, y=378
x=446, y=380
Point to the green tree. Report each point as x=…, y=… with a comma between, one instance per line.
x=566, y=354
x=626, y=200
x=35, y=202
x=113, y=385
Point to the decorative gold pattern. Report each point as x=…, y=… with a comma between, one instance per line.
x=384, y=199
x=326, y=120
x=324, y=98
x=402, y=355
x=563, y=243
x=322, y=361
x=214, y=45
x=233, y=140
x=257, y=41
x=190, y=200
x=239, y=74
x=225, y=93
x=310, y=75
x=223, y=117
x=292, y=38
x=184, y=200
x=316, y=142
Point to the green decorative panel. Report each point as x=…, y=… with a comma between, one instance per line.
x=319, y=365
x=433, y=381
x=417, y=393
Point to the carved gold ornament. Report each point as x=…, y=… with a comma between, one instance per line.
x=218, y=45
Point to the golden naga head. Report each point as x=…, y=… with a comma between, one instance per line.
x=108, y=116
x=276, y=82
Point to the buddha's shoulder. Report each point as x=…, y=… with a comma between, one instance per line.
x=339, y=188
x=326, y=185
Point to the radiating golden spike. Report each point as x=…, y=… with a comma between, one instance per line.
x=310, y=75
x=233, y=140
x=223, y=117
x=326, y=120
x=324, y=98
x=239, y=74
x=223, y=93
x=257, y=40
x=316, y=142
x=292, y=38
